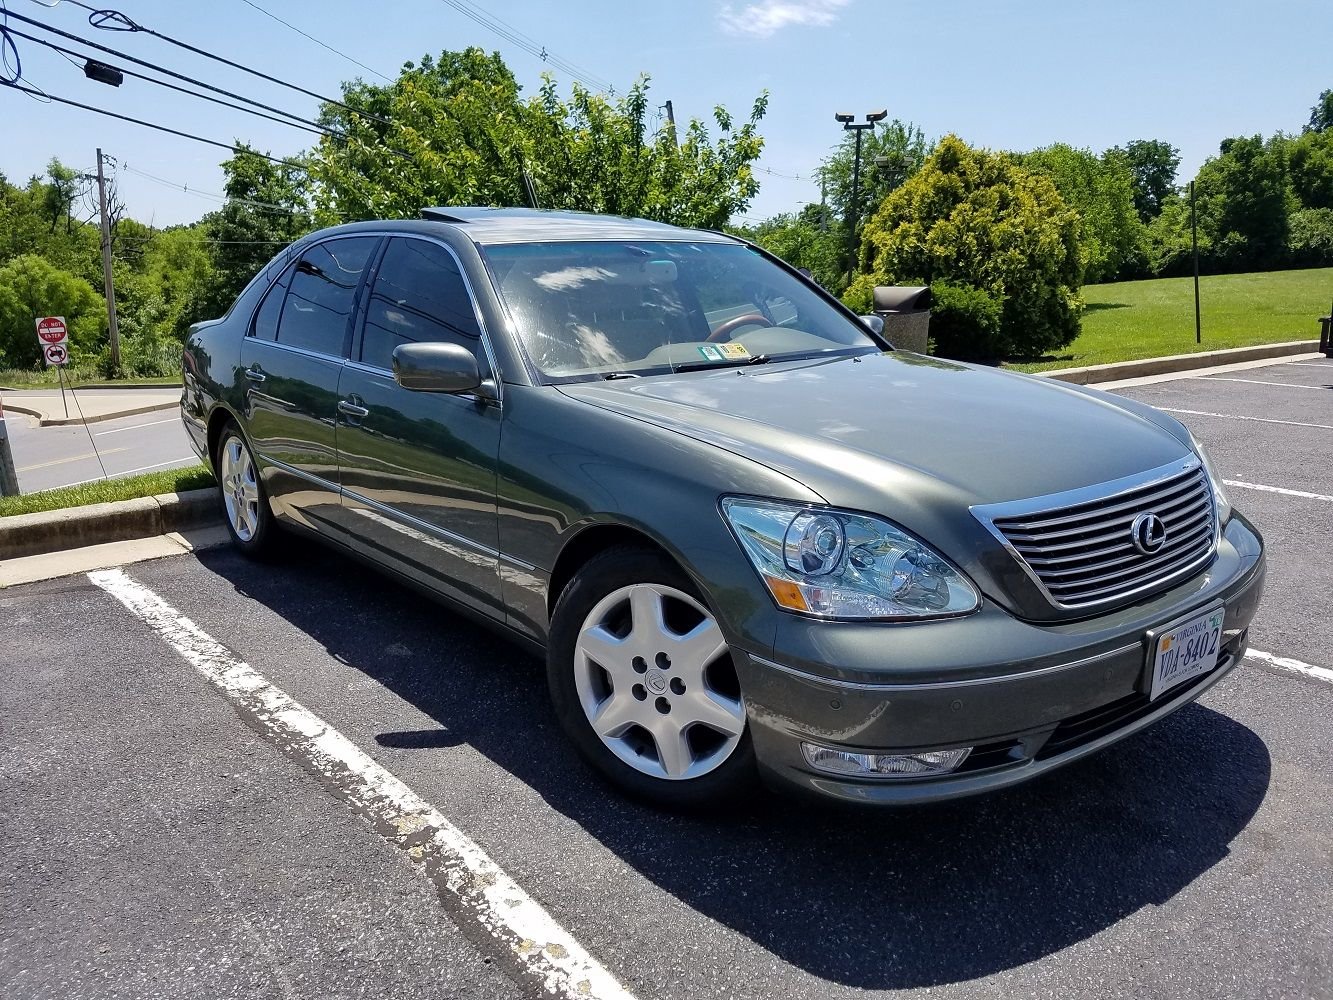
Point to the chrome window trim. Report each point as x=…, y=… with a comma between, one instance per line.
x=303, y=351
x=496, y=376
x=1106, y=492
x=301, y=474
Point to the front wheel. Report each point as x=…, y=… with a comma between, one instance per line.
x=643, y=682
x=249, y=519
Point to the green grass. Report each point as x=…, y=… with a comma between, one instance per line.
x=104, y=490
x=1149, y=319
x=78, y=378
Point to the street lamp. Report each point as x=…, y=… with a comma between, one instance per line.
x=850, y=124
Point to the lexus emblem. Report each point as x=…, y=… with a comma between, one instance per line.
x=1148, y=533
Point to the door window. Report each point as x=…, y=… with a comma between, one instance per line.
x=322, y=294
x=266, y=317
x=419, y=296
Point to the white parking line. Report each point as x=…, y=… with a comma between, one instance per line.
x=1275, y=489
x=1291, y=666
x=1255, y=381
x=1312, y=364
x=1234, y=416
x=135, y=427
x=483, y=896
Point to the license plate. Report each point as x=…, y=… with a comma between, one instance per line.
x=1186, y=651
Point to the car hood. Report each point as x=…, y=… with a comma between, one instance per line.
x=914, y=439
x=877, y=420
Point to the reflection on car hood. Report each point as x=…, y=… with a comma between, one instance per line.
x=899, y=420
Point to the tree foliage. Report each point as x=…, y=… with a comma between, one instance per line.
x=1321, y=115
x=902, y=148
x=975, y=219
x=1153, y=165
x=802, y=240
x=454, y=131
x=1310, y=163
x=30, y=288
x=1101, y=190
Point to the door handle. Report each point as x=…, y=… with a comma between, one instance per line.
x=346, y=406
x=255, y=375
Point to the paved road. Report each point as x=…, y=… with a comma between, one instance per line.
x=161, y=842
x=47, y=457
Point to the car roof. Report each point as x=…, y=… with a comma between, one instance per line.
x=525, y=225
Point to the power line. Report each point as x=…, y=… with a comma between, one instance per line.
x=296, y=121
x=305, y=34
x=125, y=24
x=528, y=44
x=232, y=147
x=211, y=195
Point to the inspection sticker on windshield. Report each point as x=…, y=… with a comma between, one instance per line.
x=724, y=352
x=1186, y=651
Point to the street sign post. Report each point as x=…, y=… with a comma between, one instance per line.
x=53, y=336
x=9, y=480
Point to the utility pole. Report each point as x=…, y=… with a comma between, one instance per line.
x=1194, y=242
x=671, y=117
x=823, y=200
x=9, y=480
x=850, y=124
x=107, y=281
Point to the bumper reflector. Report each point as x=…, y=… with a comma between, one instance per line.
x=884, y=765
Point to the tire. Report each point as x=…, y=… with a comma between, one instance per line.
x=245, y=505
x=644, y=686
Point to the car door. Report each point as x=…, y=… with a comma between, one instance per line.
x=290, y=362
x=418, y=468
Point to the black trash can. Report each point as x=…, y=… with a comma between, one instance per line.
x=1326, y=335
x=905, y=310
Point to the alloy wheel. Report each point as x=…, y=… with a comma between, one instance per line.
x=240, y=488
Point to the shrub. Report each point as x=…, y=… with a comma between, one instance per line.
x=1311, y=237
x=972, y=219
x=965, y=321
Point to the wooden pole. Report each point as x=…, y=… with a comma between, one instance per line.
x=107, y=282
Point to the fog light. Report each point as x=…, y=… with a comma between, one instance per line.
x=885, y=765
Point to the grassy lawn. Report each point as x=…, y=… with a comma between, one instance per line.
x=147, y=485
x=1148, y=319
x=29, y=378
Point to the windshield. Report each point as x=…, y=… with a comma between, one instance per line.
x=643, y=308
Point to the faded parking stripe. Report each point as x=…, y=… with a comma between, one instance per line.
x=1275, y=489
x=1290, y=665
x=489, y=905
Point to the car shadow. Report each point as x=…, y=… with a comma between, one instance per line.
x=871, y=899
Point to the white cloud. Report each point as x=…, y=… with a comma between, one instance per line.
x=766, y=17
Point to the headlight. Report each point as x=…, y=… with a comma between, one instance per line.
x=1220, y=500
x=839, y=564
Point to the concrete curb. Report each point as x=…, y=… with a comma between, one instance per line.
x=96, y=524
x=96, y=418
x=1179, y=362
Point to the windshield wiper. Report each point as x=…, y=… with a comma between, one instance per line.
x=613, y=375
x=699, y=366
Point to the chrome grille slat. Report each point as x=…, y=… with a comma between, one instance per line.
x=1081, y=552
x=1131, y=503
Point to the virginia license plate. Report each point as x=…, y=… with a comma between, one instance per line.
x=1186, y=651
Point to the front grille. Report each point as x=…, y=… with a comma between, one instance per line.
x=1083, y=554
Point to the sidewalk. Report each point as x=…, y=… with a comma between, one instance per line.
x=90, y=405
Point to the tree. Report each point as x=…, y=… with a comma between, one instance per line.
x=1243, y=196
x=267, y=207
x=31, y=288
x=1310, y=162
x=901, y=144
x=1101, y=190
x=66, y=186
x=454, y=131
x=973, y=219
x=1321, y=115
x=1153, y=164
x=801, y=242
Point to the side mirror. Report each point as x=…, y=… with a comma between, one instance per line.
x=436, y=368
x=875, y=324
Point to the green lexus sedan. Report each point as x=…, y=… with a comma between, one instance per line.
x=751, y=539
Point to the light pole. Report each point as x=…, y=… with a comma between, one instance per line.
x=850, y=124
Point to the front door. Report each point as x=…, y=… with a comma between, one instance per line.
x=290, y=363
x=417, y=468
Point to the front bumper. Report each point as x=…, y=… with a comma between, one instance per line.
x=1028, y=698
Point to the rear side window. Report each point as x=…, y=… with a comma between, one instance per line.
x=266, y=317
x=419, y=296
x=321, y=294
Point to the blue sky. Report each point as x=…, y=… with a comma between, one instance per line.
x=1006, y=74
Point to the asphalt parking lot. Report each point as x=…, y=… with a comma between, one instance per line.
x=171, y=828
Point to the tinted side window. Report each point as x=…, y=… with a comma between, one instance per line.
x=419, y=296
x=321, y=293
x=266, y=316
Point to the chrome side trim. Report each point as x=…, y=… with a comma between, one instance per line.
x=425, y=527
x=942, y=685
x=300, y=474
x=987, y=514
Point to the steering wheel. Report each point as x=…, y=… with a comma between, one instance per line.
x=725, y=330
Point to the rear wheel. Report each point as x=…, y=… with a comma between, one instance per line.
x=244, y=502
x=643, y=682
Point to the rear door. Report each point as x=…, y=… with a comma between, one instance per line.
x=418, y=469
x=290, y=363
